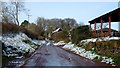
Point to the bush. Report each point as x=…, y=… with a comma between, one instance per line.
x=61, y=36
x=25, y=23
x=6, y=59
x=104, y=48
x=13, y=28
x=9, y=28
x=34, y=28
x=80, y=33
x=117, y=60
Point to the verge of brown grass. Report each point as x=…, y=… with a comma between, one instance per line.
x=13, y=28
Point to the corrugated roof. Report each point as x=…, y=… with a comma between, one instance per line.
x=115, y=17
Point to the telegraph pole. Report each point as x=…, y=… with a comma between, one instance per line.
x=29, y=16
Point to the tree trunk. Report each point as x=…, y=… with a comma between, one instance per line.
x=17, y=14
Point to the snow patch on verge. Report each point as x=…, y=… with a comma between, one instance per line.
x=15, y=45
x=59, y=43
x=87, y=54
x=100, y=39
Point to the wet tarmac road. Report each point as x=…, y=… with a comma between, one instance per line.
x=56, y=56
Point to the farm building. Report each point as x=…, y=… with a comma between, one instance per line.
x=111, y=17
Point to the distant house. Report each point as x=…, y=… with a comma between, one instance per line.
x=106, y=30
x=57, y=30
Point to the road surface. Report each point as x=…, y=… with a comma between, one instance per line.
x=56, y=56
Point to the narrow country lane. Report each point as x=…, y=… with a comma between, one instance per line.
x=56, y=56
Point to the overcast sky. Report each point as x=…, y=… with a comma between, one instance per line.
x=80, y=11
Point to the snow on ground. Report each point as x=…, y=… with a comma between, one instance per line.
x=115, y=38
x=16, y=46
x=88, y=54
x=59, y=43
x=100, y=39
x=39, y=42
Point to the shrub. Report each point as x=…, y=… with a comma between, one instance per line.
x=13, y=28
x=25, y=23
x=80, y=33
x=94, y=51
x=6, y=59
x=34, y=28
x=61, y=36
x=117, y=60
x=27, y=41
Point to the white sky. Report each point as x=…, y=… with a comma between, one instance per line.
x=65, y=0
x=80, y=10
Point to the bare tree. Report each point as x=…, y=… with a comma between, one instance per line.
x=11, y=11
x=40, y=22
x=52, y=24
x=16, y=7
x=5, y=16
x=0, y=11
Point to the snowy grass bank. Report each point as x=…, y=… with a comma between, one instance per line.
x=100, y=39
x=59, y=43
x=15, y=45
x=87, y=54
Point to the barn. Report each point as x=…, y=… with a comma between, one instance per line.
x=110, y=17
